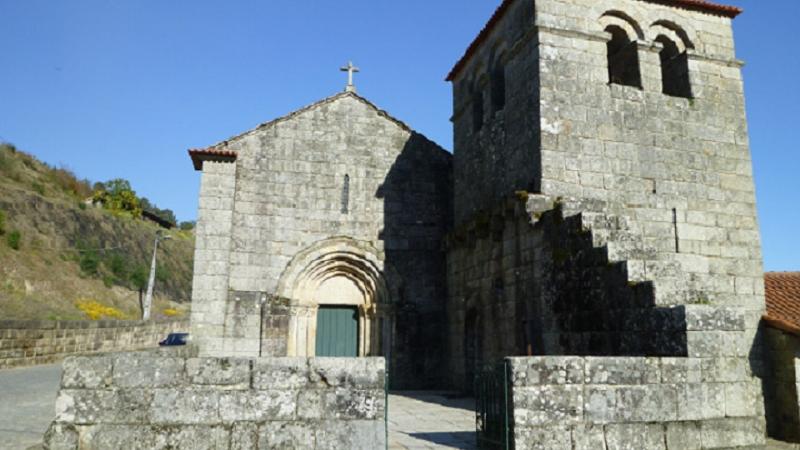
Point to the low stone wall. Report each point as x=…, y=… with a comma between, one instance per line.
x=782, y=384
x=614, y=403
x=140, y=400
x=30, y=342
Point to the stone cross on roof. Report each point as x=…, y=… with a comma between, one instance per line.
x=350, y=69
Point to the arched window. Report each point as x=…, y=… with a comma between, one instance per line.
x=623, y=58
x=477, y=109
x=346, y=195
x=674, y=69
x=499, y=85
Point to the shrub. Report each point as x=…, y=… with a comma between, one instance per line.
x=38, y=187
x=172, y=312
x=162, y=273
x=13, y=239
x=2, y=223
x=89, y=262
x=108, y=281
x=118, y=266
x=188, y=225
x=95, y=310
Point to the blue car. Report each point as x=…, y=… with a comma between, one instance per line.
x=175, y=339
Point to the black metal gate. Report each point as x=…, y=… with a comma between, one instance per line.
x=492, y=406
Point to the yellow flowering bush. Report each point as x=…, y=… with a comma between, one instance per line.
x=172, y=312
x=95, y=310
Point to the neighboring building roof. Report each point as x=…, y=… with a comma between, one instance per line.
x=158, y=220
x=210, y=154
x=782, y=291
x=693, y=5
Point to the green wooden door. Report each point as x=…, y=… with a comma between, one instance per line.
x=337, y=331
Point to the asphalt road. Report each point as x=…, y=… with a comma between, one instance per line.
x=27, y=404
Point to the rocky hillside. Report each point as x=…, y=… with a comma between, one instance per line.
x=63, y=259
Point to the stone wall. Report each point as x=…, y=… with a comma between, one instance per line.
x=782, y=384
x=605, y=403
x=138, y=400
x=570, y=277
x=25, y=343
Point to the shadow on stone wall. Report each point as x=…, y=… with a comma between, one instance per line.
x=417, y=214
x=588, y=305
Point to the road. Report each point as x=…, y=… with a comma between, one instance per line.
x=27, y=404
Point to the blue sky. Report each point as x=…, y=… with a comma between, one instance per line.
x=123, y=88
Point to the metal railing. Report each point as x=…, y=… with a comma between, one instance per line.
x=492, y=391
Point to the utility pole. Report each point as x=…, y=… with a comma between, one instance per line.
x=148, y=300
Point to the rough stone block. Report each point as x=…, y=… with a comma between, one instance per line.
x=280, y=373
x=680, y=370
x=543, y=438
x=353, y=434
x=244, y=436
x=614, y=370
x=699, y=401
x=284, y=435
x=743, y=399
x=181, y=407
x=649, y=403
x=85, y=407
x=733, y=432
x=257, y=406
x=145, y=370
x=588, y=437
x=600, y=403
x=639, y=436
x=86, y=372
x=547, y=370
x=231, y=373
x=683, y=436
x=544, y=405
x=61, y=437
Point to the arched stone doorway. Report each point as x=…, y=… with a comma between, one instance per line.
x=327, y=279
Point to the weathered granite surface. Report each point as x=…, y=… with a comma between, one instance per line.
x=591, y=403
x=141, y=400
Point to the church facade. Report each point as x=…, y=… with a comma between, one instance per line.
x=599, y=202
x=320, y=234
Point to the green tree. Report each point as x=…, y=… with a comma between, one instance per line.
x=138, y=278
x=187, y=225
x=117, y=196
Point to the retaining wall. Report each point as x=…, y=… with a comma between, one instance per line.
x=148, y=401
x=30, y=342
x=610, y=403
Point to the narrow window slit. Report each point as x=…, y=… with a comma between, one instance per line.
x=675, y=228
x=346, y=195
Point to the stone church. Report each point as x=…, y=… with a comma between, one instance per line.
x=598, y=202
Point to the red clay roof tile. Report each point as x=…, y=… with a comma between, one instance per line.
x=782, y=290
x=210, y=154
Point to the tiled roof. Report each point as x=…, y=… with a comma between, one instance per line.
x=783, y=300
x=693, y=5
x=210, y=154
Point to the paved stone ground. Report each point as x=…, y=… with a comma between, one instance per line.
x=27, y=404
x=430, y=420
